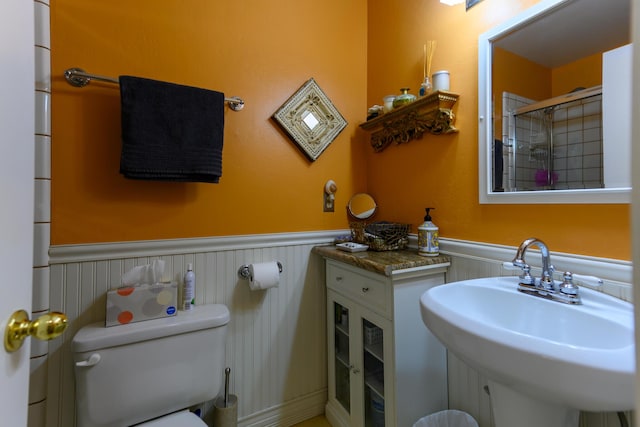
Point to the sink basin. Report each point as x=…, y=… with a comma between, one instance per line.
x=560, y=357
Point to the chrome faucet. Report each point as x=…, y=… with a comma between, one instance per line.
x=546, y=279
x=545, y=287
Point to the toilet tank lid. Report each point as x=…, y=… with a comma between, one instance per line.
x=96, y=336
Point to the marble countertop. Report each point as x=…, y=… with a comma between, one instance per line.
x=381, y=262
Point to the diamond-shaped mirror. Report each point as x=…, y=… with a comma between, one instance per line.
x=310, y=119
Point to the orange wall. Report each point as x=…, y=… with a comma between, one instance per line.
x=358, y=51
x=585, y=72
x=508, y=70
x=540, y=82
x=260, y=51
x=442, y=171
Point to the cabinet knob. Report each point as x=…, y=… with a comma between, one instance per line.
x=354, y=369
x=365, y=289
x=338, y=278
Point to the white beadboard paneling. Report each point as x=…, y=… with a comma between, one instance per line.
x=466, y=391
x=276, y=345
x=610, y=270
x=160, y=248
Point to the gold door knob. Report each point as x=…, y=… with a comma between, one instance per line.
x=46, y=327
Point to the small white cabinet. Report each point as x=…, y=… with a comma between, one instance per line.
x=385, y=368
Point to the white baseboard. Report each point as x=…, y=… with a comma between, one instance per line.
x=290, y=413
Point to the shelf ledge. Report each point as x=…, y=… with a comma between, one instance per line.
x=432, y=113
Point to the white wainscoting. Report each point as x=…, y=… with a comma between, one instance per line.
x=472, y=260
x=276, y=346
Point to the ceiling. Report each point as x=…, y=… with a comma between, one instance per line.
x=574, y=30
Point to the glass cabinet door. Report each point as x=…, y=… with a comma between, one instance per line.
x=373, y=359
x=342, y=360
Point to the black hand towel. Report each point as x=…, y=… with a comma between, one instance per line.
x=170, y=132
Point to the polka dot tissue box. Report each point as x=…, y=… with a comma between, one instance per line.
x=143, y=295
x=142, y=302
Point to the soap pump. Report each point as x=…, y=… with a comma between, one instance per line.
x=428, y=237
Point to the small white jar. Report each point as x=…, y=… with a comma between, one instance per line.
x=388, y=103
x=441, y=80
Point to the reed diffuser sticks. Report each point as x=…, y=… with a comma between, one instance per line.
x=429, y=49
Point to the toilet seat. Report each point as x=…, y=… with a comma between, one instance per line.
x=177, y=419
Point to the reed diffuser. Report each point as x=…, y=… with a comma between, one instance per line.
x=428, y=50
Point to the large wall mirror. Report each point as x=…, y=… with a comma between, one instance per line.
x=555, y=105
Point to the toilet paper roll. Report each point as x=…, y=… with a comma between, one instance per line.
x=225, y=416
x=264, y=275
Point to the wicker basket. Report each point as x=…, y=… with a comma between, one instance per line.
x=381, y=236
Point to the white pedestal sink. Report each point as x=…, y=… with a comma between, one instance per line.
x=545, y=360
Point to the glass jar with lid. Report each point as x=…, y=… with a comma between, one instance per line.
x=404, y=98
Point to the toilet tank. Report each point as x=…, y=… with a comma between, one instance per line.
x=132, y=373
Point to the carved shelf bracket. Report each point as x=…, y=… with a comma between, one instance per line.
x=432, y=113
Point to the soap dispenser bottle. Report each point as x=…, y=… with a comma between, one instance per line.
x=428, y=244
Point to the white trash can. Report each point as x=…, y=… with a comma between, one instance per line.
x=448, y=418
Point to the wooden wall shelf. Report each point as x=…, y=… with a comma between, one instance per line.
x=432, y=113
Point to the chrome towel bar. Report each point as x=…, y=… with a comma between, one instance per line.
x=77, y=77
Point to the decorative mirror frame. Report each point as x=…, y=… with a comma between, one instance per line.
x=310, y=119
x=485, y=131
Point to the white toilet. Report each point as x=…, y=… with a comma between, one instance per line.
x=149, y=372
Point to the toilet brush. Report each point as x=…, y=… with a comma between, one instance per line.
x=227, y=371
x=225, y=412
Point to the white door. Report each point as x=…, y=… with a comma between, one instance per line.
x=16, y=195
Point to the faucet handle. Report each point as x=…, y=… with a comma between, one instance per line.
x=589, y=280
x=546, y=277
x=511, y=266
x=525, y=278
x=568, y=287
x=519, y=262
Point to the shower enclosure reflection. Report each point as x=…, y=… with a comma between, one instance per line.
x=551, y=145
x=543, y=137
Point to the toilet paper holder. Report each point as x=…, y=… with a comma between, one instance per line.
x=244, y=273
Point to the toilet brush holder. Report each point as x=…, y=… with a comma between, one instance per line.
x=225, y=412
x=225, y=408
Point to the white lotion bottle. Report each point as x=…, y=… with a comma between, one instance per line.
x=428, y=244
x=189, y=288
